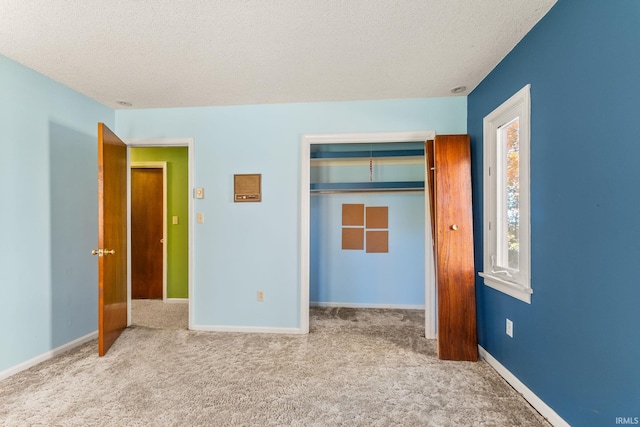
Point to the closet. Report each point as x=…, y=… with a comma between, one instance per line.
x=449, y=181
x=367, y=225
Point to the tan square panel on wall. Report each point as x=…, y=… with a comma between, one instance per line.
x=377, y=217
x=353, y=238
x=247, y=187
x=377, y=241
x=353, y=215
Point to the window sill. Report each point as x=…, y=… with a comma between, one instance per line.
x=512, y=289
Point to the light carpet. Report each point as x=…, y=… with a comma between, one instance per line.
x=361, y=367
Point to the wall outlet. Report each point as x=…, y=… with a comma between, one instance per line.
x=510, y=328
x=260, y=296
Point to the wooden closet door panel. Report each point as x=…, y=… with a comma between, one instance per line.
x=457, y=338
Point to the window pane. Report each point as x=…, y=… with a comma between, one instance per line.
x=511, y=230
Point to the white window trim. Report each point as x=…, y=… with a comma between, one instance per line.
x=519, y=105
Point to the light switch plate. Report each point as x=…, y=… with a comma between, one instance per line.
x=200, y=218
x=199, y=193
x=175, y=219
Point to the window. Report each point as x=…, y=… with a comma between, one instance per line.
x=506, y=197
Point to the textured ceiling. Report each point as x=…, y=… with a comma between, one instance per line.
x=174, y=53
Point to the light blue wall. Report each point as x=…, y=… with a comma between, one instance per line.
x=357, y=277
x=48, y=188
x=245, y=247
x=577, y=345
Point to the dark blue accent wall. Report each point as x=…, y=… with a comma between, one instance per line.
x=577, y=346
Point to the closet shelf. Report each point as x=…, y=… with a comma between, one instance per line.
x=366, y=154
x=361, y=154
x=344, y=187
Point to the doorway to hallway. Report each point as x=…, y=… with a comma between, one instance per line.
x=176, y=240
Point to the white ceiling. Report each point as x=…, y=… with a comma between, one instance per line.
x=175, y=53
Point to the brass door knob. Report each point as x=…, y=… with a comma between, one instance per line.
x=454, y=227
x=101, y=252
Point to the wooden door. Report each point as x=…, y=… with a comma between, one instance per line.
x=451, y=183
x=112, y=238
x=146, y=233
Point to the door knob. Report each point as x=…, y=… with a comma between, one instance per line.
x=101, y=252
x=454, y=227
x=161, y=240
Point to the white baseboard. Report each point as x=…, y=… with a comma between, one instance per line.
x=366, y=305
x=178, y=300
x=544, y=409
x=246, y=329
x=48, y=355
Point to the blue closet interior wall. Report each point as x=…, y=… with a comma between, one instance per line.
x=355, y=277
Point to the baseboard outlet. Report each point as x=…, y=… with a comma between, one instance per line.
x=48, y=355
x=246, y=329
x=544, y=409
x=178, y=300
x=366, y=305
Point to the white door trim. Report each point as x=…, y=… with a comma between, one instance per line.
x=165, y=142
x=163, y=166
x=305, y=169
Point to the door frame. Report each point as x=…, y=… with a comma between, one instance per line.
x=164, y=143
x=430, y=306
x=163, y=166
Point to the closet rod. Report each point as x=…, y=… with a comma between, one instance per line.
x=367, y=186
